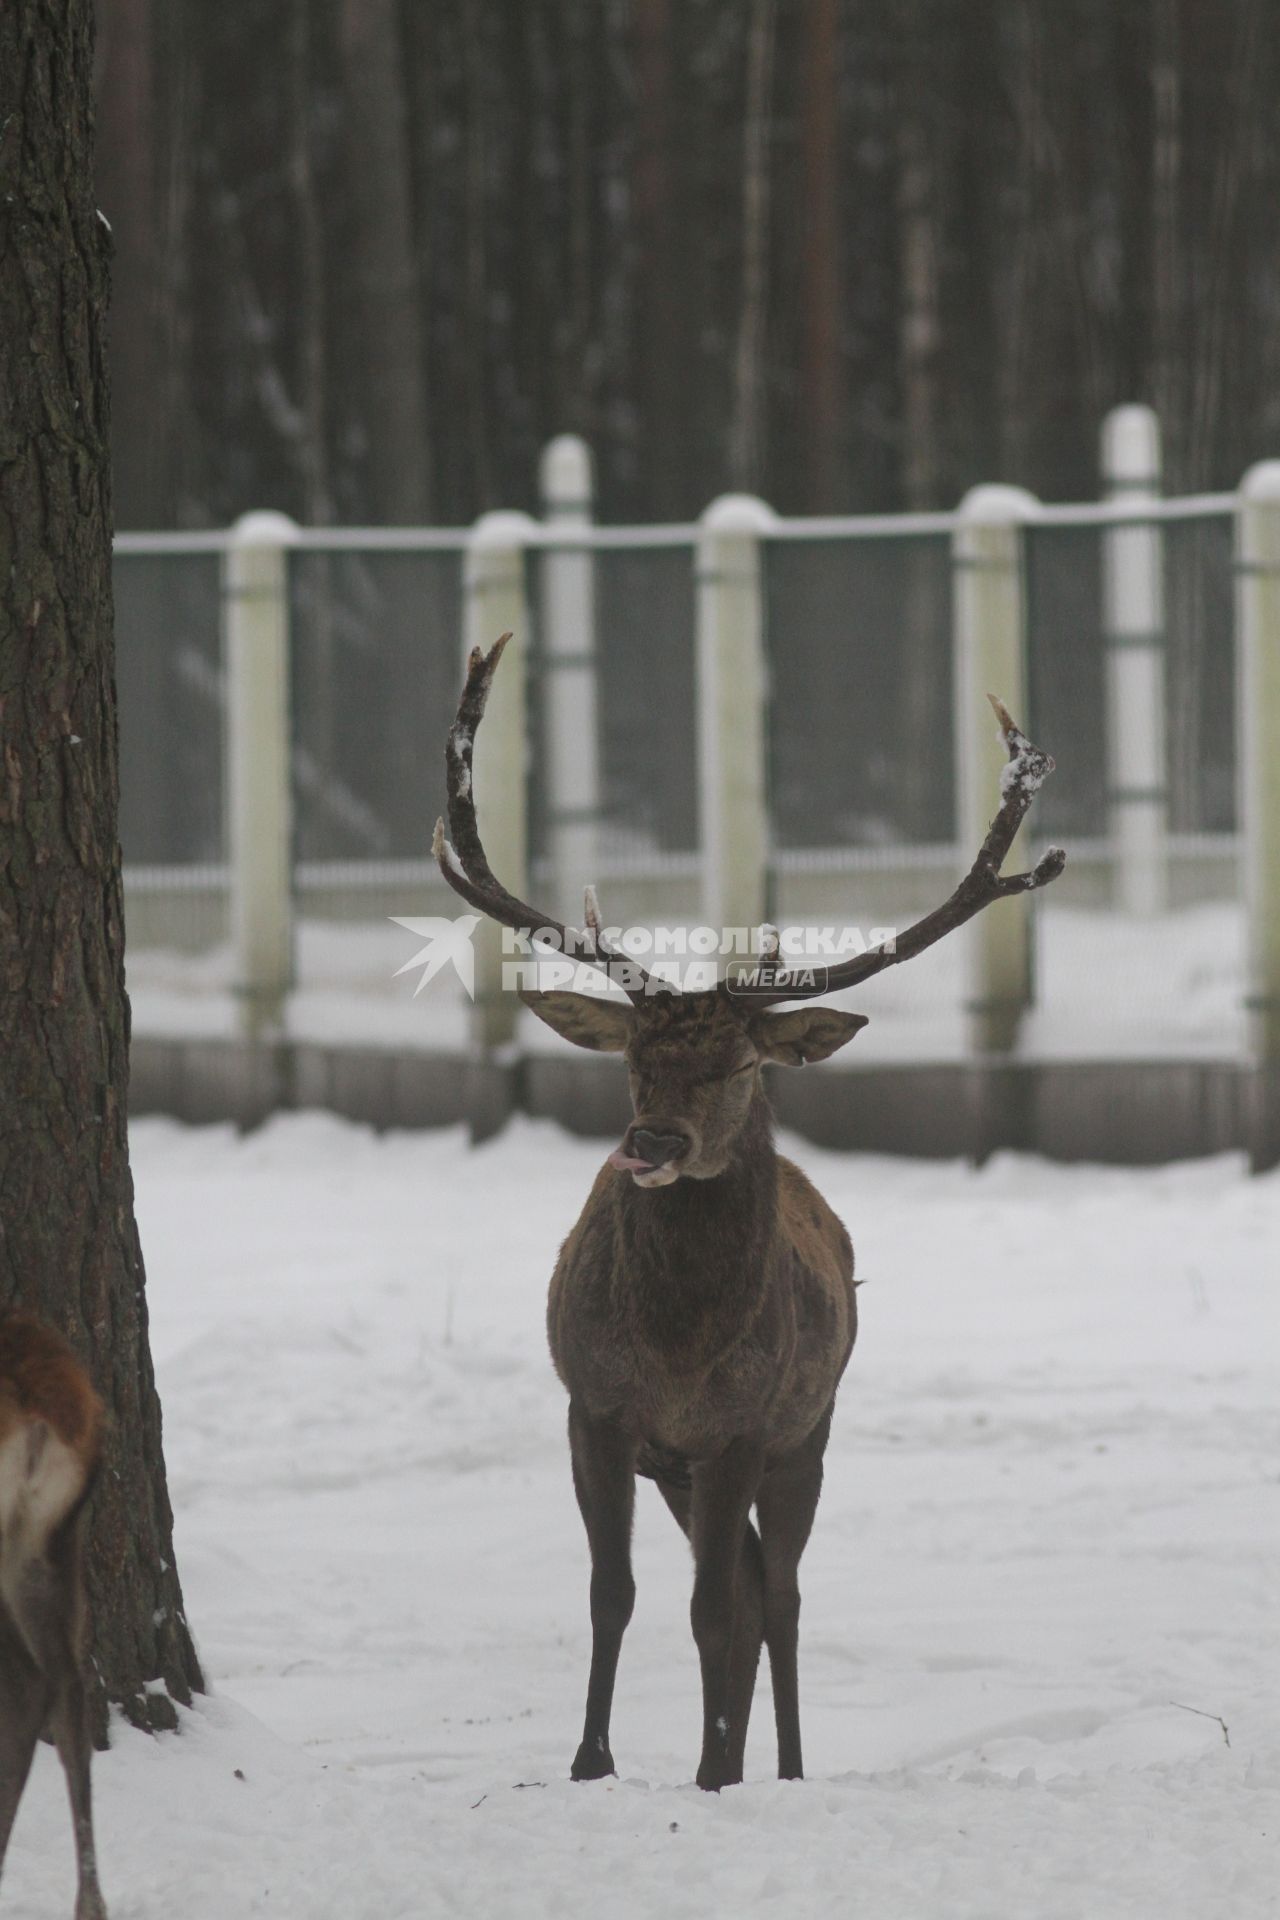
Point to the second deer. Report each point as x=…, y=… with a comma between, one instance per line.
x=702, y=1311
x=50, y=1440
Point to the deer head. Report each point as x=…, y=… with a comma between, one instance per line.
x=693, y=1067
x=694, y=1058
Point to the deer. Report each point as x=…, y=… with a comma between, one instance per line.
x=51, y=1430
x=702, y=1311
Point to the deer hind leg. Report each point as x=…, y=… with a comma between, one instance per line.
x=47, y=1606
x=604, y=1480
x=24, y=1703
x=723, y=1490
x=787, y=1503
x=748, y=1624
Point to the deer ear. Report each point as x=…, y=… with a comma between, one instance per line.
x=602, y=1025
x=807, y=1033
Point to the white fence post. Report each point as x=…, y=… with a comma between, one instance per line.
x=990, y=657
x=567, y=646
x=496, y=603
x=1133, y=626
x=732, y=693
x=258, y=800
x=1258, y=708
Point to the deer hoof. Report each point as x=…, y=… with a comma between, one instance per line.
x=593, y=1761
x=712, y=1775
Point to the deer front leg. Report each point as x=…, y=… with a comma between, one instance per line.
x=605, y=1483
x=748, y=1623
x=787, y=1502
x=723, y=1490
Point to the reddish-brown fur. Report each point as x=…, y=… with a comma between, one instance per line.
x=701, y=1320
x=40, y=1378
x=51, y=1427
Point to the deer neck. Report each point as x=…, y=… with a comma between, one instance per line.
x=696, y=1243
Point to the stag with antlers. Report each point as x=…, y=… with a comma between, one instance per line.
x=702, y=1310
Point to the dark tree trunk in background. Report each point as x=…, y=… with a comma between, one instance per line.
x=313, y=405
x=68, y=1241
x=392, y=367
x=920, y=343
x=748, y=414
x=1168, y=371
x=127, y=186
x=1017, y=244
x=824, y=397
x=658, y=351
x=475, y=263
x=920, y=327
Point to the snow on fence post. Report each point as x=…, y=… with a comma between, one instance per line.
x=1133, y=626
x=255, y=608
x=567, y=645
x=496, y=603
x=1258, y=708
x=989, y=615
x=732, y=688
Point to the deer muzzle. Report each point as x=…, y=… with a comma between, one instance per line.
x=650, y=1157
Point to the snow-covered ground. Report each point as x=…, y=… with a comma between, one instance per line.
x=1045, y=1559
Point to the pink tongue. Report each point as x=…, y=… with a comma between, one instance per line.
x=625, y=1164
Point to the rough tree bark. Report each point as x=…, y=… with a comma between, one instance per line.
x=68, y=1242
x=126, y=186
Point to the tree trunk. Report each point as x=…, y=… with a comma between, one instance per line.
x=656, y=478
x=126, y=186
x=747, y=419
x=386, y=269
x=1168, y=300
x=920, y=324
x=68, y=1241
x=823, y=367
x=919, y=345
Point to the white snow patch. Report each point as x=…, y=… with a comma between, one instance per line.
x=1022, y=773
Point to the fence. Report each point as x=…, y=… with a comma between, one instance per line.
x=740, y=718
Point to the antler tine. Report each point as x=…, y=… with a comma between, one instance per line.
x=461, y=858
x=1027, y=769
x=767, y=952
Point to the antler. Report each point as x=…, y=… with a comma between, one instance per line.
x=1028, y=768
x=462, y=861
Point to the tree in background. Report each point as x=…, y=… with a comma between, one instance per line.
x=68, y=1240
x=855, y=255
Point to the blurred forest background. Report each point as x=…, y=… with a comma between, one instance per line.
x=851, y=254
